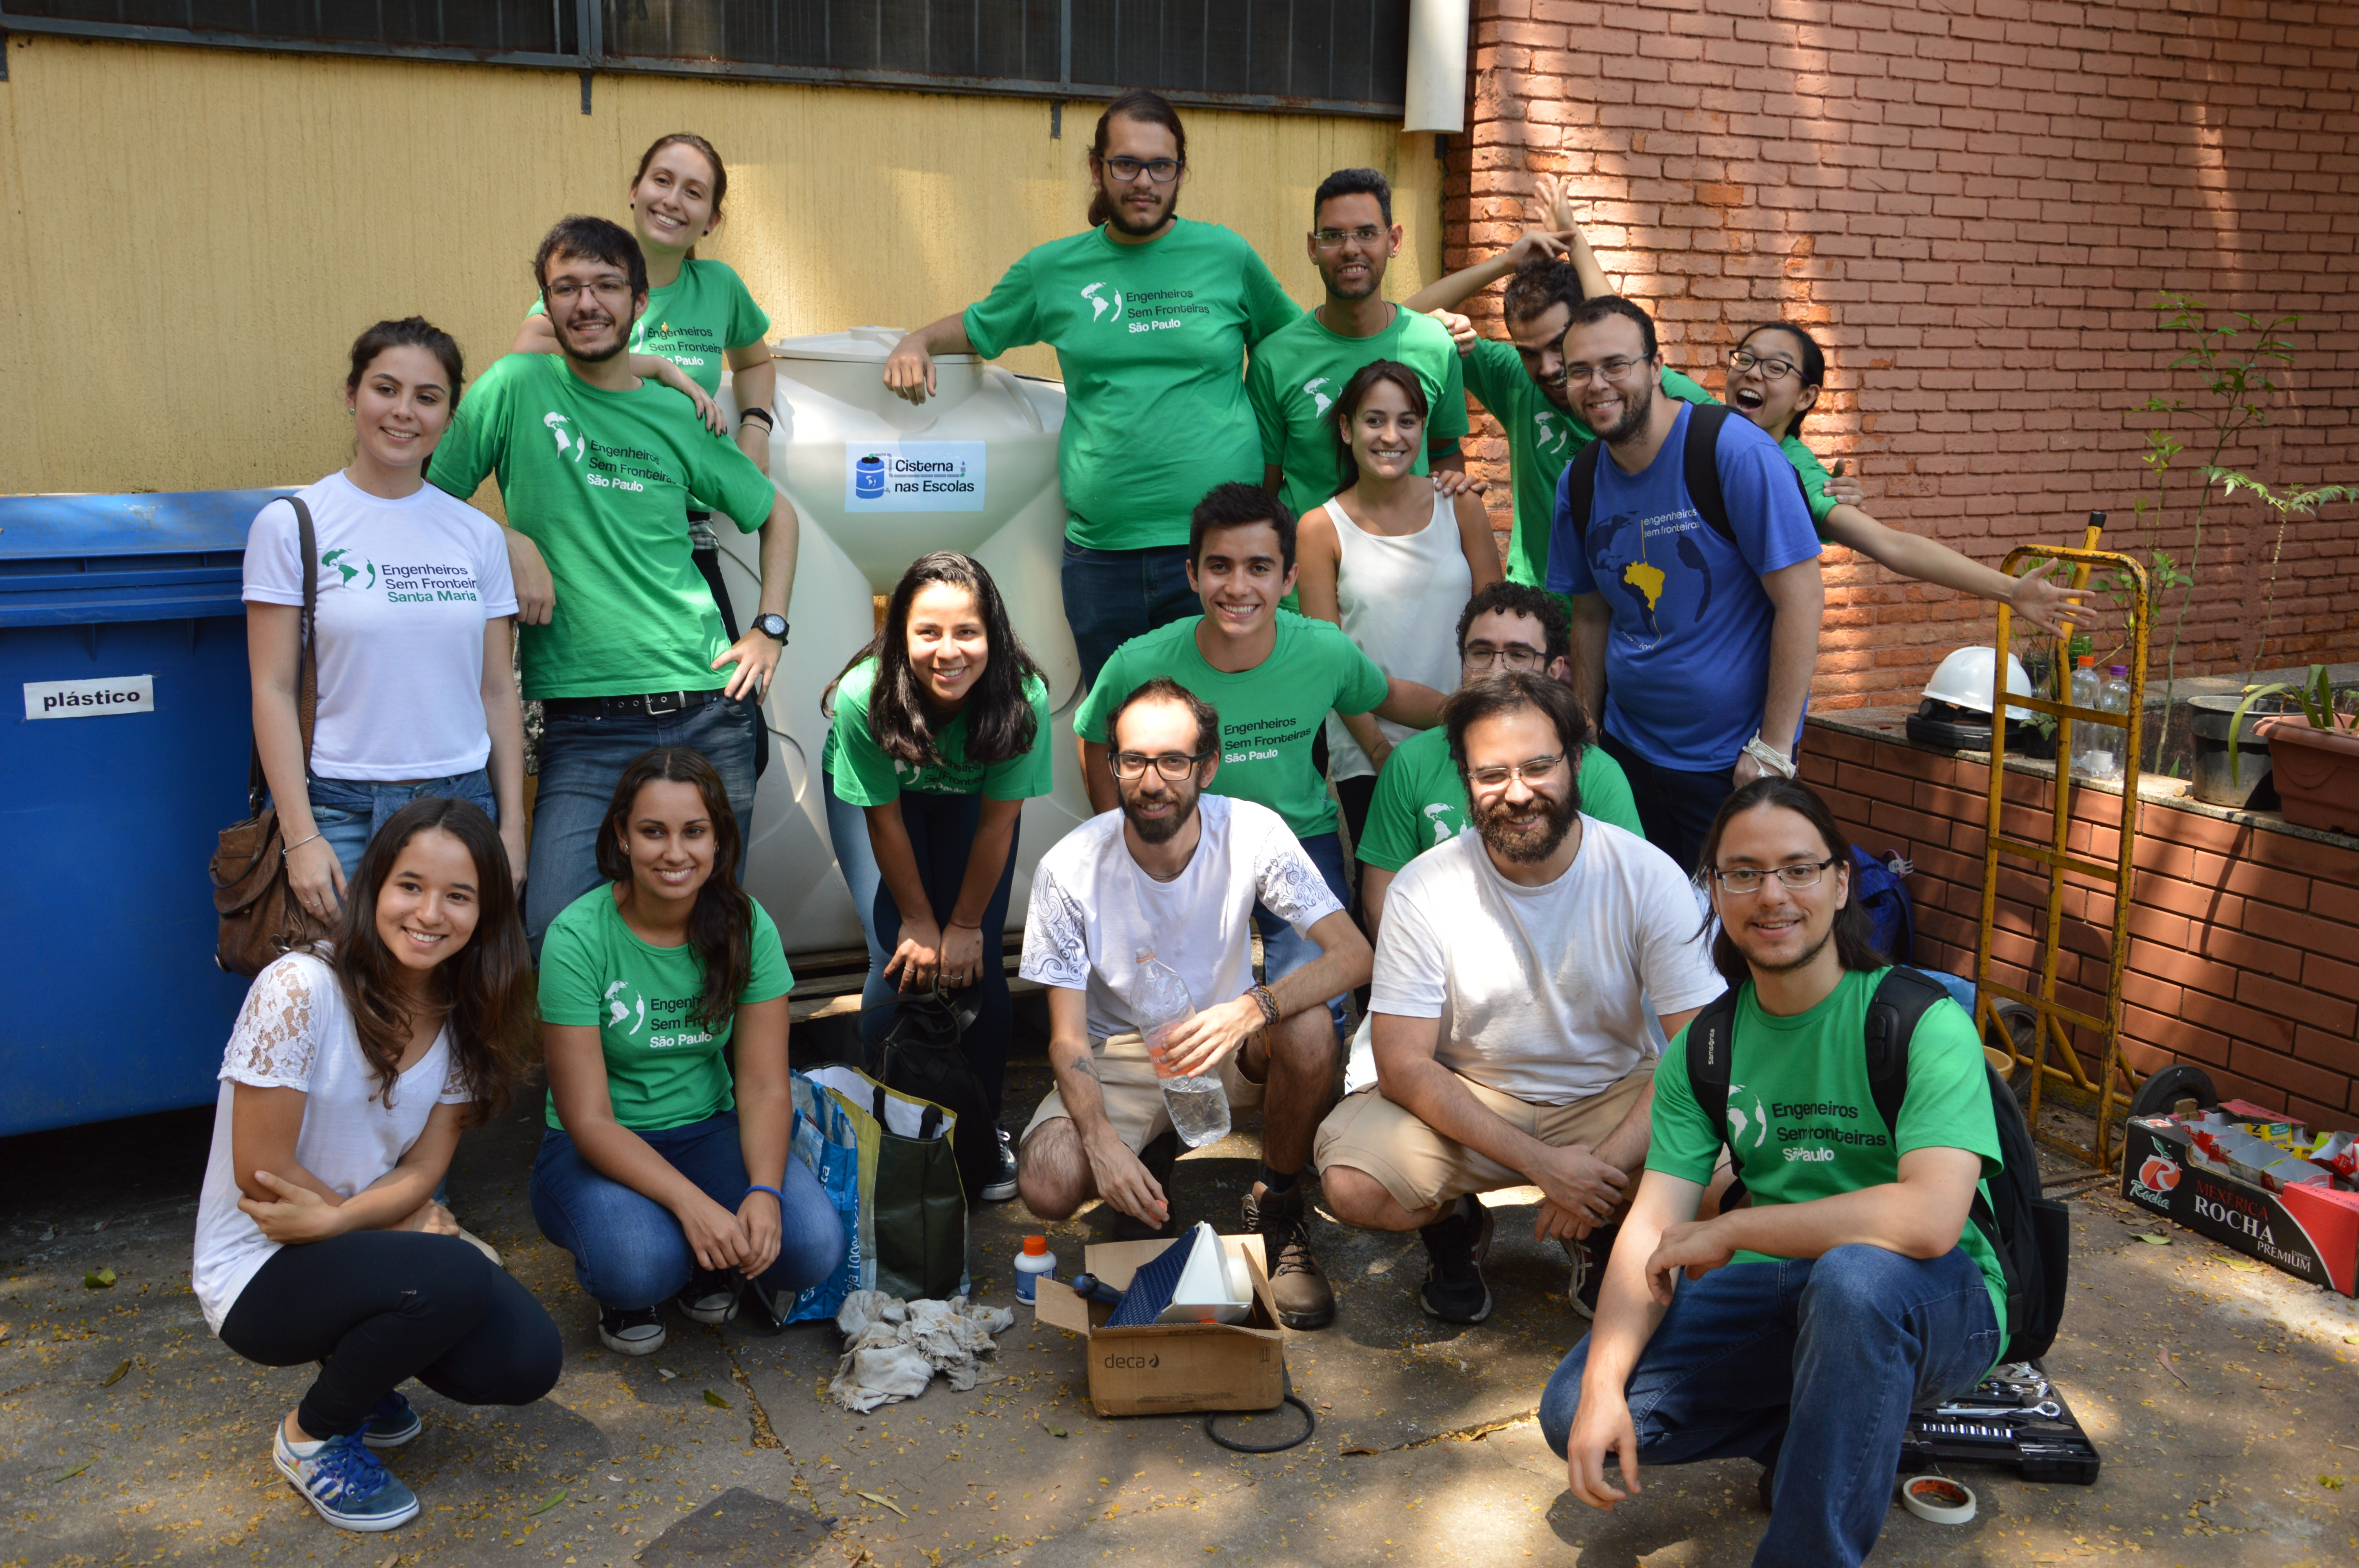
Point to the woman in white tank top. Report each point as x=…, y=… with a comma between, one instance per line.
x=1392, y=561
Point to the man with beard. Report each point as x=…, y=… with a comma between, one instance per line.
x=1528, y=974
x=595, y=469
x=1799, y=1329
x=1300, y=370
x=1175, y=874
x=1688, y=549
x=1150, y=314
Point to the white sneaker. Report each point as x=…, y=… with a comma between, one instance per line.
x=1003, y=1186
x=639, y=1332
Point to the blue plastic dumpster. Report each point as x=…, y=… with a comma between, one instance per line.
x=120, y=623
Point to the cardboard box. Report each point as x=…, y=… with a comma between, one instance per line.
x=2310, y=1232
x=1163, y=1368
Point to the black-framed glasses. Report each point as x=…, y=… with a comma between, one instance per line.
x=564, y=290
x=1745, y=881
x=1531, y=773
x=1333, y=239
x=1172, y=765
x=1516, y=658
x=1771, y=369
x=1613, y=370
x=1161, y=170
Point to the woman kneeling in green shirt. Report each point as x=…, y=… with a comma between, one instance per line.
x=940, y=734
x=652, y=1174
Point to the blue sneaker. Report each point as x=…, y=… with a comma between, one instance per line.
x=393, y=1422
x=345, y=1481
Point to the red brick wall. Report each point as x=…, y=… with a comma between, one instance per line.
x=1974, y=204
x=2243, y=942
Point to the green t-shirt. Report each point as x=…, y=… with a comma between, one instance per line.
x=1420, y=801
x=663, y=1069
x=1804, y=1121
x=1270, y=713
x=695, y=320
x=599, y=480
x=1299, y=371
x=1814, y=478
x=1542, y=441
x=865, y=775
x=1151, y=339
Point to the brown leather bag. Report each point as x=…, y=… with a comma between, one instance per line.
x=260, y=919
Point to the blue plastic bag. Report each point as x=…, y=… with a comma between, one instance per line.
x=828, y=1144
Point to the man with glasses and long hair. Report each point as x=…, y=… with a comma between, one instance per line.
x=1150, y=314
x=1688, y=550
x=1175, y=874
x=1800, y=1328
x=1529, y=974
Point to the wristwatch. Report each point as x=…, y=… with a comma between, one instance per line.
x=772, y=626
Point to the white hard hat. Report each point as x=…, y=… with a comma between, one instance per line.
x=1964, y=680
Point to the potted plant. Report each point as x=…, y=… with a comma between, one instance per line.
x=2314, y=753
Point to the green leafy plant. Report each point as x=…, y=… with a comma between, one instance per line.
x=2287, y=506
x=2313, y=696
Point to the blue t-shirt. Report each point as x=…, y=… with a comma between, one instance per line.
x=1687, y=655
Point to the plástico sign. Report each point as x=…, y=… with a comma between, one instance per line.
x=90, y=699
x=914, y=476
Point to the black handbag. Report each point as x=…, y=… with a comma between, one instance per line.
x=922, y=1054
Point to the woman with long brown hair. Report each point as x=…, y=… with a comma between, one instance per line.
x=350, y=1074
x=663, y=1173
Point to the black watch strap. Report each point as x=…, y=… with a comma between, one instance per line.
x=771, y=626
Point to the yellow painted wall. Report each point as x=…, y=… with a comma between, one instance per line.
x=189, y=239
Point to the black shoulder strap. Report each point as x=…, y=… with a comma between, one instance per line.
x=1700, y=465
x=1710, y=1042
x=1900, y=999
x=1581, y=492
x=307, y=672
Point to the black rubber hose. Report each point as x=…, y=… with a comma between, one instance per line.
x=1310, y=1425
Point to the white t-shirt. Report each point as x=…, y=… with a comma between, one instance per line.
x=295, y=1032
x=1549, y=993
x=1093, y=909
x=405, y=589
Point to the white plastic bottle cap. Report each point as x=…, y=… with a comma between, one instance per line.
x=1937, y=1498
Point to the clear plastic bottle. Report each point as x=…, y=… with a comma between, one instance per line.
x=1198, y=1104
x=2113, y=696
x=2083, y=694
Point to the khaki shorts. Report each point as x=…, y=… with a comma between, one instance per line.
x=1134, y=1096
x=1422, y=1170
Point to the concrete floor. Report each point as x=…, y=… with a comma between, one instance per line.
x=128, y=1435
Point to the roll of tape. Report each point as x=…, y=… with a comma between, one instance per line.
x=1937, y=1498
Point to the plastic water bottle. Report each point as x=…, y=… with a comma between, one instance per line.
x=1034, y=1260
x=2113, y=696
x=1198, y=1104
x=2085, y=742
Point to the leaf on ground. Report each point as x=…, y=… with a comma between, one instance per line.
x=883, y=1502
x=2244, y=1265
x=75, y=1471
x=555, y=1498
x=2169, y=1365
x=1053, y=1430
x=2154, y=1241
x=114, y=1377
x=393, y=1560
x=715, y=1400
x=98, y=1280
x=665, y=1373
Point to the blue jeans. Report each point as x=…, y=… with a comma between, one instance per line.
x=1284, y=949
x=1810, y=1366
x=348, y=812
x=582, y=757
x=1112, y=596
x=847, y=830
x=942, y=833
x=629, y=1250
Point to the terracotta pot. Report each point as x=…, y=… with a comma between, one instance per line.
x=2317, y=772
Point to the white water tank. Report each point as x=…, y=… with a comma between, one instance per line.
x=879, y=482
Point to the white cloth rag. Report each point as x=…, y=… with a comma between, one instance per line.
x=893, y=1348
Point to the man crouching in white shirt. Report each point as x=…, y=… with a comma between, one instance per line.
x=1528, y=974
x=1174, y=874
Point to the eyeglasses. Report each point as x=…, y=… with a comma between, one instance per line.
x=1745, y=881
x=1530, y=772
x=564, y=291
x=1513, y=658
x=1771, y=370
x=1333, y=239
x=1172, y=765
x=1604, y=370
x=1161, y=170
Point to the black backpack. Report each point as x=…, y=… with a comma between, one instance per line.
x=1699, y=466
x=922, y=1054
x=2031, y=1233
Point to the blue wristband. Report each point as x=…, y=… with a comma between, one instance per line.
x=774, y=1192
